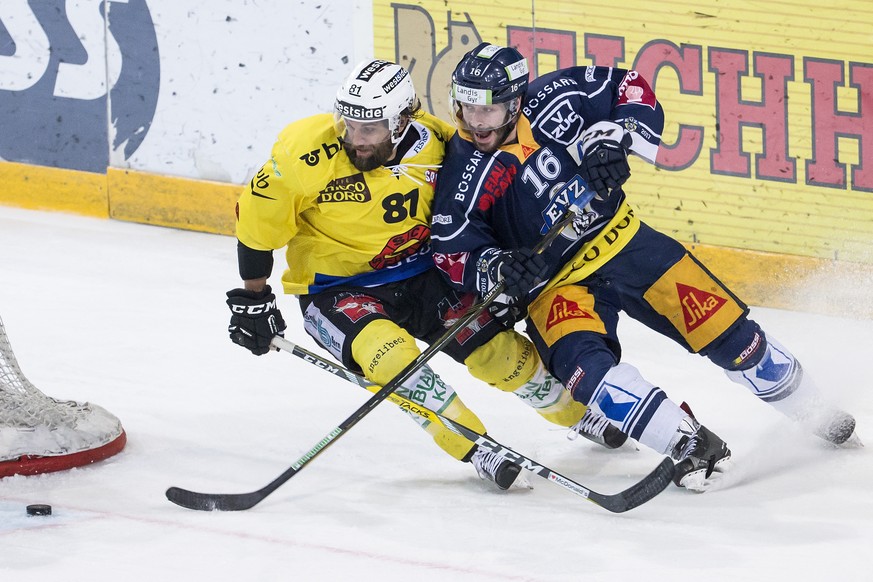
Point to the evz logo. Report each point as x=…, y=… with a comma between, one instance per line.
x=60, y=62
x=574, y=193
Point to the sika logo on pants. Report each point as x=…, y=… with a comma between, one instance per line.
x=59, y=63
x=696, y=304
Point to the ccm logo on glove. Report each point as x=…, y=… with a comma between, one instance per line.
x=604, y=157
x=253, y=309
x=255, y=319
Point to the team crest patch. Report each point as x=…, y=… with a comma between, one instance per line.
x=400, y=247
x=356, y=306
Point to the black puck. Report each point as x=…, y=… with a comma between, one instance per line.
x=39, y=509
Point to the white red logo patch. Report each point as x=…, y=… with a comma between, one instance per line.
x=356, y=307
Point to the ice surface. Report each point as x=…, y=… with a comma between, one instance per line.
x=133, y=318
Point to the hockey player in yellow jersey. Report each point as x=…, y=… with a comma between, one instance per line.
x=349, y=197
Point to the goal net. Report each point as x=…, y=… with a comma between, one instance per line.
x=39, y=434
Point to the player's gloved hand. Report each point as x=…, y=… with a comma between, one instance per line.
x=520, y=270
x=506, y=311
x=255, y=319
x=604, y=162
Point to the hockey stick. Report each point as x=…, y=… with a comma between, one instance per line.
x=632, y=497
x=242, y=501
x=576, y=193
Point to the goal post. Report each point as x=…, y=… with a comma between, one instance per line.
x=40, y=434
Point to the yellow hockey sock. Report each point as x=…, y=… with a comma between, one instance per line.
x=511, y=363
x=383, y=349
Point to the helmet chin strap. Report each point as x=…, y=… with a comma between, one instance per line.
x=514, y=111
x=396, y=140
x=399, y=138
x=507, y=130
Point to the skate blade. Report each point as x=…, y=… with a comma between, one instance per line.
x=853, y=442
x=698, y=482
x=521, y=482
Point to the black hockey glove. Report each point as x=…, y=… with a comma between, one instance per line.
x=506, y=311
x=255, y=319
x=604, y=162
x=520, y=270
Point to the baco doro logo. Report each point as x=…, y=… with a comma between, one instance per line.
x=346, y=189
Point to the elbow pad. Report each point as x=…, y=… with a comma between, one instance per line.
x=253, y=264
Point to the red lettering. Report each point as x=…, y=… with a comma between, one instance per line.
x=686, y=62
x=495, y=185
x=607, y=51
x=733, y=112
x=828, y=123
x=730, y=68
x=532, y=43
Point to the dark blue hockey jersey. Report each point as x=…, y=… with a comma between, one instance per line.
x=485, y=202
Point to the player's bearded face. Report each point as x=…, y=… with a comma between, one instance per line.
x=368, y=144
x=489, y=126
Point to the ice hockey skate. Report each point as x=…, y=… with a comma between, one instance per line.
x=597, y=428
x=780, y=380
x=495, y=468
x=702, y=457
x=830, y=424
x=839, y=428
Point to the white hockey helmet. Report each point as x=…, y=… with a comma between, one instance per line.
x=376, y=90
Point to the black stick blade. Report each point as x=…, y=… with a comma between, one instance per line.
x=213, y=501
x=643, y=491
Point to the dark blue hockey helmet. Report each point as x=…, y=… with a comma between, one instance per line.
x=490, y=74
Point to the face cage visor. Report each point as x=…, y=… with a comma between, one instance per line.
x=460, y=95
x=392, y=125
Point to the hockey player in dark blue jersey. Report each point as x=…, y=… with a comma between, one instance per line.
x=502, y=186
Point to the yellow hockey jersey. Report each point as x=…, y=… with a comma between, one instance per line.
x=341, y=225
